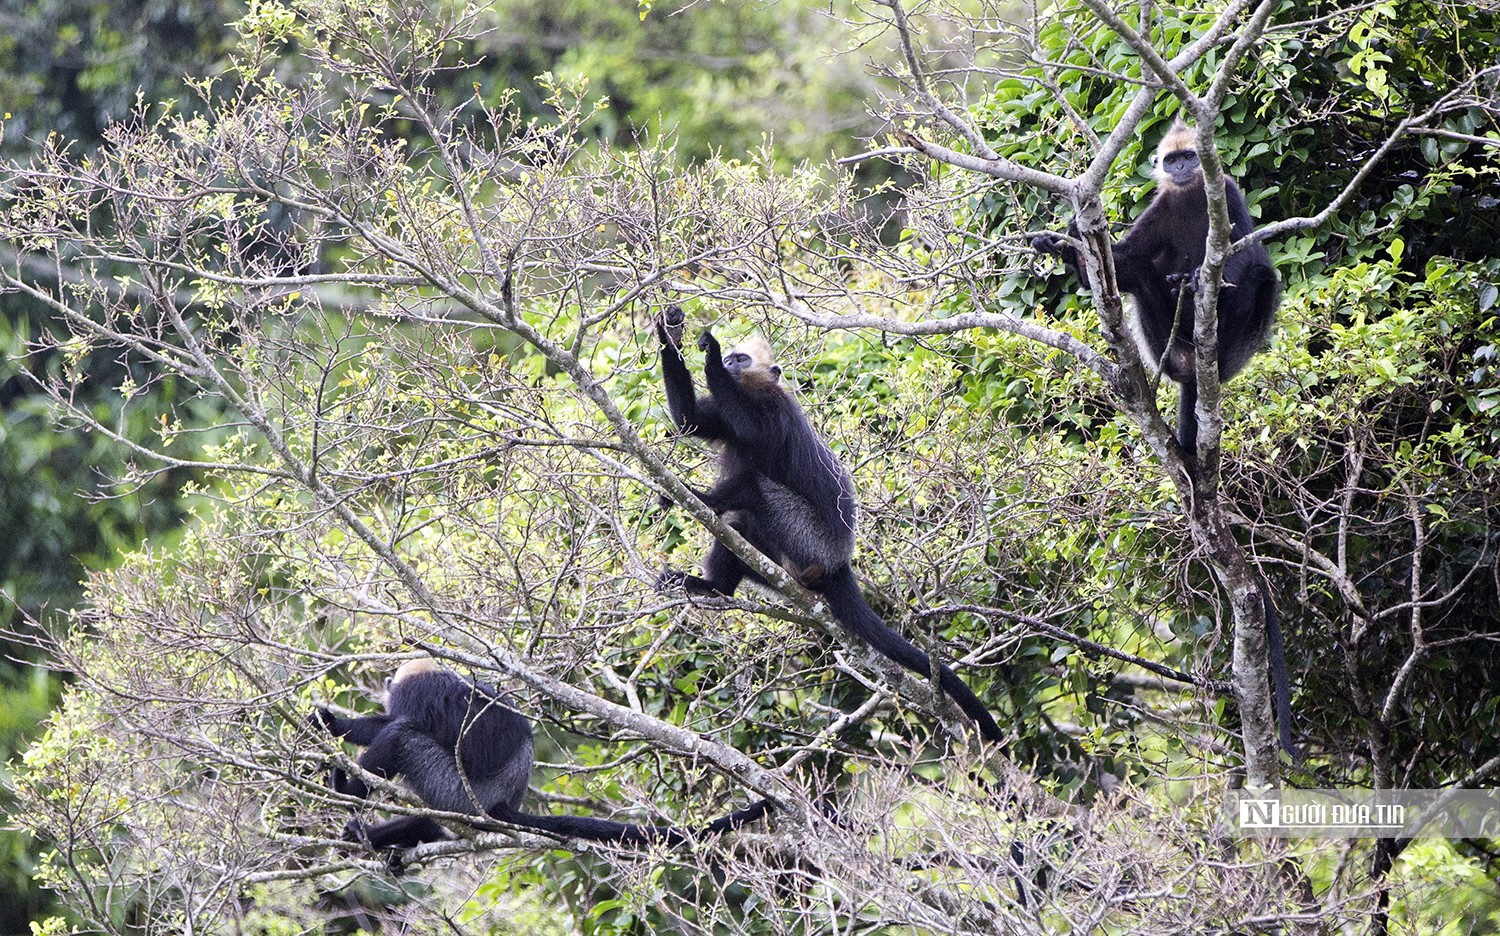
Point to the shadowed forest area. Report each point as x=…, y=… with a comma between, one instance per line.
x=341, y=336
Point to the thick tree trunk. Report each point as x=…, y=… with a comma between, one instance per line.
x=1250, y=667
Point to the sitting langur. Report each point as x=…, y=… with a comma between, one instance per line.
x=1157, y=263
x=459, y=747
x=783, y=489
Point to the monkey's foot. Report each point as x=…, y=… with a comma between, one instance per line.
x=671, y=580
x=356, y=832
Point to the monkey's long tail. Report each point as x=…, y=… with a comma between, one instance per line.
x=603, y=830
x=1187, y=420
x=1281, y=679
x=847, y=604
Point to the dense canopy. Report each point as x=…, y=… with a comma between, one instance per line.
x=346, y=318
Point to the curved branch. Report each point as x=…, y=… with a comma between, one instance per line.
x=1106, y=369
x=1407, y=126
x=992, y=166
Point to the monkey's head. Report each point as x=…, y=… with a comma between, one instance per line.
x=1177, y=163
x=752, y=363
x=406, y=671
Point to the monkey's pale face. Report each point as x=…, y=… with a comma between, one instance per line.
x=752, y=361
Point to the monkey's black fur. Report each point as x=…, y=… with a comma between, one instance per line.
x=785, y=491
x=460, y=748
x=1157, y=263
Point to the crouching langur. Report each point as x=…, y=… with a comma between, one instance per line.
x=461, y=748
x=1157, y=262
x=784, y=490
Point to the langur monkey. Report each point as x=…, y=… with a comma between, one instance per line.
x=784, y=490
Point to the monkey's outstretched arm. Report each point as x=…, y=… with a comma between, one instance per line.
x=360, y=731
x=364, y=731
x=1240, y=222
x=692, y=415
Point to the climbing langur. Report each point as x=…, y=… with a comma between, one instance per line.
x=784, y=490
x=460, y=747
x=1157, y=264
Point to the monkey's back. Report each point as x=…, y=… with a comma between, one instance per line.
x=807, y=492
x=477, y=747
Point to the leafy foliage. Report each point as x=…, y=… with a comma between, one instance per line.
x=417, y=310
